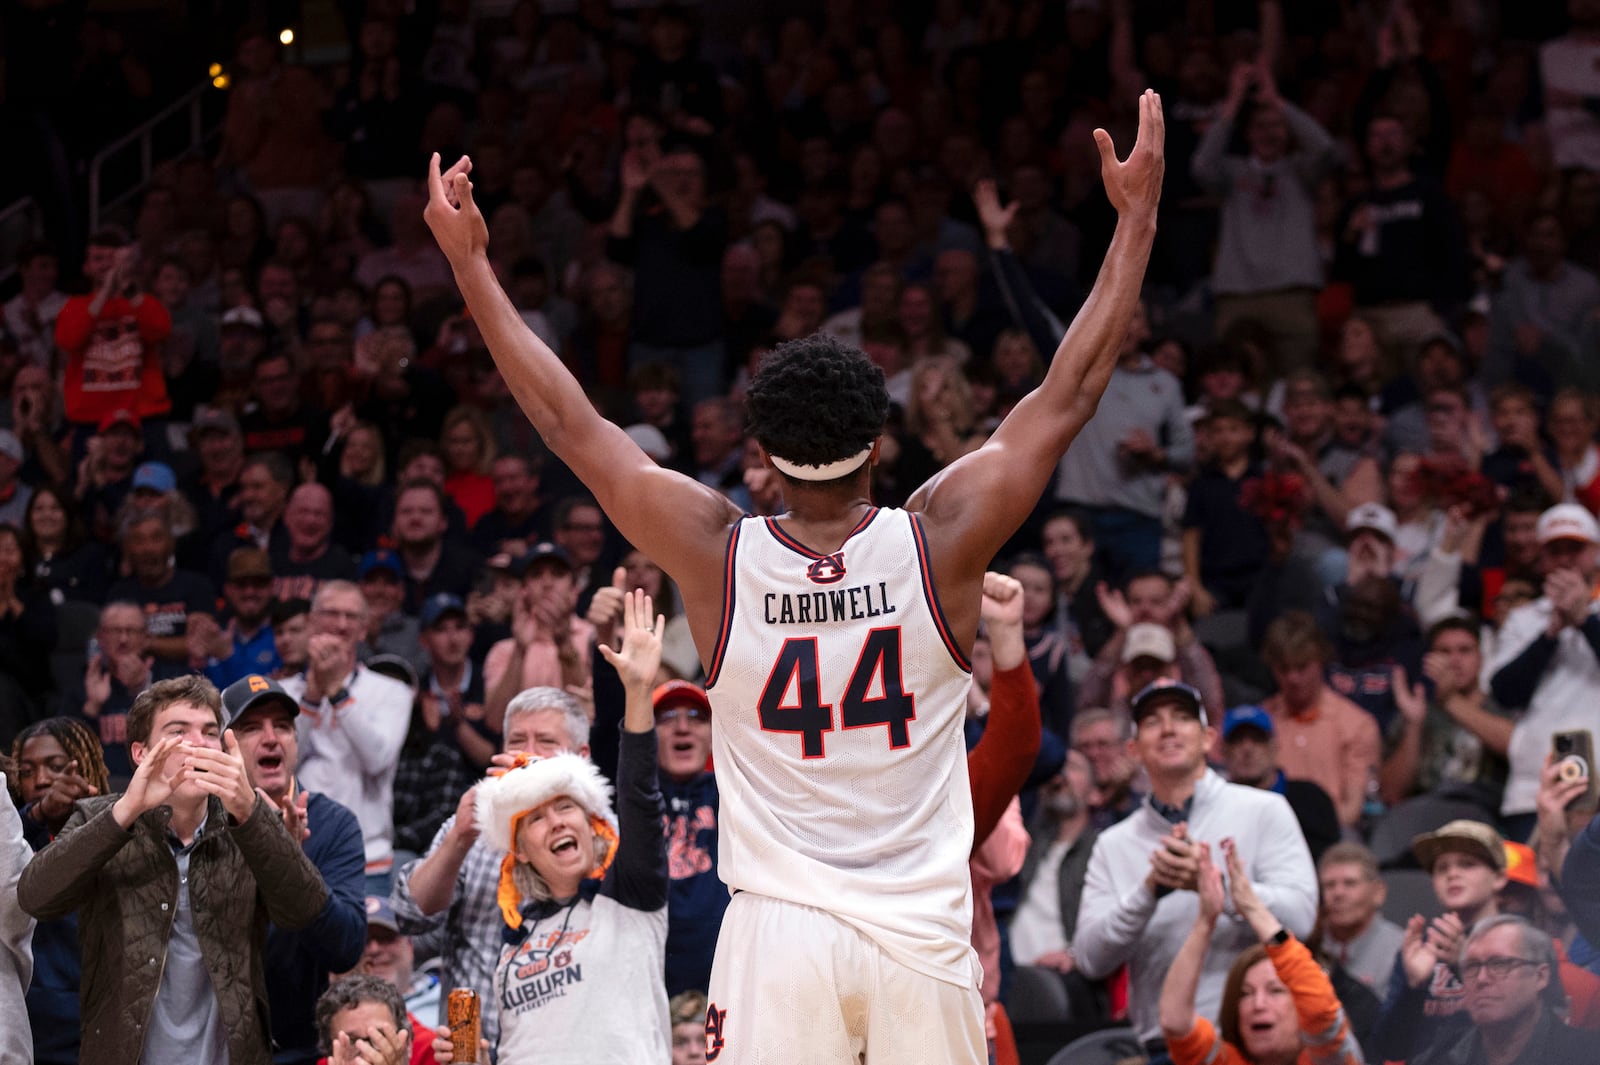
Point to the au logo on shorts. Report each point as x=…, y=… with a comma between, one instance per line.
x=715, y=1019
x=827, y=569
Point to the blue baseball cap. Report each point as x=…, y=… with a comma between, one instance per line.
x=1250, y=716
x=155, y=477
x=439, y=606
x=382, y=558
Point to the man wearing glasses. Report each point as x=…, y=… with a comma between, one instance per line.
x=696, y=896
x=1514, y=999
x=352, y=724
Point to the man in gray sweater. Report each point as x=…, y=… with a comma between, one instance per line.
x=1268, y=267
x=1139, y=895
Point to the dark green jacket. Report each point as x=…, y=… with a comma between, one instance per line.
x=124, y=887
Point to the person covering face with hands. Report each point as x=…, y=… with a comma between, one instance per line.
x=173, y=880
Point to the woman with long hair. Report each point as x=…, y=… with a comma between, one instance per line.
x=469, y=452
x=66, y=562
x=1277, y=1003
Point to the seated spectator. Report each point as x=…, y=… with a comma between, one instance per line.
x=1223, y=543
x=1455, y=741
x=433, y=563
x=310, y=558
x=391, y=956
x=66, y=562
x=265, y=482
x=1045, y=921
x=117, y=671
x=1540, y=311
x=1467, y=861
x=247, y=644
x=291, y=631
x=696, y=898
x=1522, y=458
x=352, y=724
x=1545, y=662
x=547, y=1010
x=1103, y=736
x=261, y=717
x=469, y=453
x=363, y=1018
x=549, y=645
x=57, y=762
x=1322, y=736
x=390, y=630
x=1250, y=757
x=1355, y=934
x=1572, y=421
x=105, y=476
x=1047, y=648
x=1278, y=1007
x=27, y=622
x=276, y=419
x=196, y=1003
x=30, y=315
x=687, y=1010
x=518, y=517
x=212, y=490
x=1513, y=1000
x=1068, y=539
x=717, y=439
x=1150, y=598
x=14, y=495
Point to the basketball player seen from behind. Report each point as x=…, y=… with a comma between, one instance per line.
x=835, y=641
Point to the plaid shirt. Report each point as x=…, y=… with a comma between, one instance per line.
x=471, y=925
x=428, y=784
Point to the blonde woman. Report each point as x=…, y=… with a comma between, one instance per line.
x=468, y=447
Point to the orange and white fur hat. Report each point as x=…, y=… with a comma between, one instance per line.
x=504, y=799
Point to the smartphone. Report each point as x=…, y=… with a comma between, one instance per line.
x=1574, y=754
x=92, y=649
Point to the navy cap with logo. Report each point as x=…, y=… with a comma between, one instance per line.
x=1161, y=692
x=438, y=607
x=1246, y=716
x=248, y=693
x=542, y=552
x=381, y=915
x=382, y=558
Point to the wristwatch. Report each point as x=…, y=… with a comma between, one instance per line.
x=1279, y=938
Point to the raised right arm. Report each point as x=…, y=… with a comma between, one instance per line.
x=679, y=521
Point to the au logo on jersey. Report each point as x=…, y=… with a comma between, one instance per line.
x=828, y=569
x=715, y=1019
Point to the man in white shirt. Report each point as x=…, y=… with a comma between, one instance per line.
x=352, y=724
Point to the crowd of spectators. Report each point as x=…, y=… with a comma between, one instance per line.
x=1331, y=534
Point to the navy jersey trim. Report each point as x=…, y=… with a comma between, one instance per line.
x=939, y=620
x=801, y=549
x=725, y=629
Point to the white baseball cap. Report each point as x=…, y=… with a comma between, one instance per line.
x=1148, y=640
x=1375, y=516
x=1568, y=521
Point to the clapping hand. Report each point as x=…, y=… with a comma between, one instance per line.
x=1425, y=945
x=223, y=774
x=153, y=782
x=382, y=1045
x=1213, y=897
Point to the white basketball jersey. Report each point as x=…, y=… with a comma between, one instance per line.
x=838, y=697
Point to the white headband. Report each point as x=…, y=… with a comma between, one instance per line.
x=826, y=472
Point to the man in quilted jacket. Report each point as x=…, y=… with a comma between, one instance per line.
x=174, y=881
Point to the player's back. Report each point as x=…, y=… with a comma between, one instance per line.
x=838, y=696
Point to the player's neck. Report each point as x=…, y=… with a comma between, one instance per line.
x=820, y=518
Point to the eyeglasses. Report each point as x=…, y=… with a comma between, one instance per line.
x=689, y=713
x=1498, y=968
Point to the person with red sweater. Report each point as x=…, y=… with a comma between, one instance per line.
x=111, y=339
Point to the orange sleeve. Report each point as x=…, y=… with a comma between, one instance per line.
x=1323, y=1025
x=1583, y=996
x=1203, y=1046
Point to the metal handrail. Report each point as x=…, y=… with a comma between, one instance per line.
x=143, y=135
x=30, y=215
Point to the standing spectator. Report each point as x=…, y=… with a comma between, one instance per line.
x=1121, y=459
x=168, y=595
x=696, y=897
x=453, y=889
x=272, y=136
x=16, y=933
x=1052, y=878
x=111, y=340
x=675, y=81
x=1546, y=660
x=1539, y=314
x=298, y=963
x=1571, y=80
x=352, y=724
x=433, y=564
x=674, y=242
x=1513, y=998
x=1148, y=598
x=122, y=858
x=1104, y=738
x=1139, y=893
x=1268, y=266
x=1250, y=756
x=1068, y=542
x=1399, y=243
x=549, y=645
x=1223, y=543
x=1354, y=931
x=1456, y=740
x=30, y=315
x=363, y=1018
x=311, y=558
x=1322, y=736
x=58, y=762
x=247, y=645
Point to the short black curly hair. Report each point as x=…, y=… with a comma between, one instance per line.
x=816, y=400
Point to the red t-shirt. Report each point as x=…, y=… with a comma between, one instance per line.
x=114, y=361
